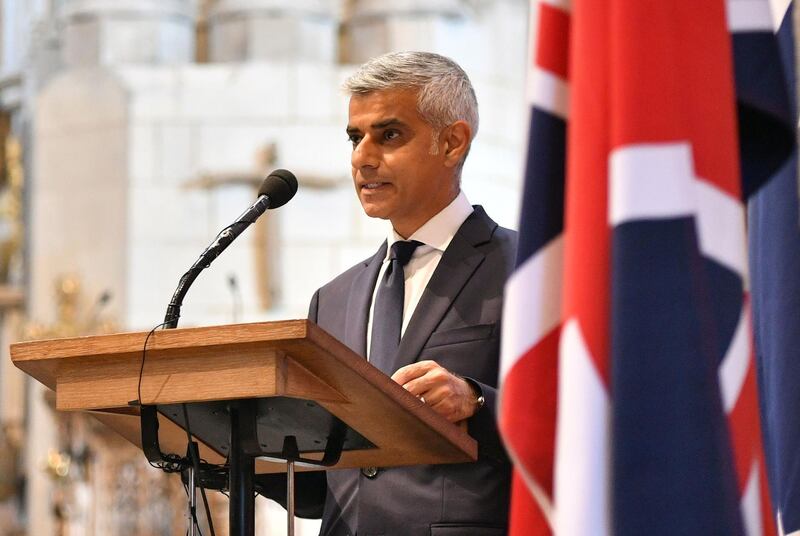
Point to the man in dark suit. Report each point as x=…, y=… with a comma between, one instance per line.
x=412, y=118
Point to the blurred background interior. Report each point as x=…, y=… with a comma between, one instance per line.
x=131, y=132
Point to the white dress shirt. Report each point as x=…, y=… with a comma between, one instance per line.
x=435, y=235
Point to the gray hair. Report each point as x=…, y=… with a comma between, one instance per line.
x=445, y=92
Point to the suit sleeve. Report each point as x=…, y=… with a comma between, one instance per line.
x=309, y=496
x=483, y=425
x=313, y=307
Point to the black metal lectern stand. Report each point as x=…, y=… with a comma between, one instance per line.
x=280, y=428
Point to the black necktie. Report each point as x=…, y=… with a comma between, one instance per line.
x=387, y=314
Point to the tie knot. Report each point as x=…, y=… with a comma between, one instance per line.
x=402, y=250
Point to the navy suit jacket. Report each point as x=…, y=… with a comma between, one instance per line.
x=456, y=324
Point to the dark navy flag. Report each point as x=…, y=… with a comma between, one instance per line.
x=768, y=114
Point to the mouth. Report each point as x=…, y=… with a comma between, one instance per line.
x=373, y=185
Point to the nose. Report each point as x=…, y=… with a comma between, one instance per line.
x=365, y=154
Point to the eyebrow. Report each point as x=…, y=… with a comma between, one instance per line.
x=380, y=124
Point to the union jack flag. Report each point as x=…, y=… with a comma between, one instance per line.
x=629, y=394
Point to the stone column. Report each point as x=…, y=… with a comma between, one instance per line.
x=78, y=225
x=110, y=32
x=375, y=27
x=287, y=30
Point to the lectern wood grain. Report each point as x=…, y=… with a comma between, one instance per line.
x=292, y=358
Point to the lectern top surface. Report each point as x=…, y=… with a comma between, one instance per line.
x=293, y=358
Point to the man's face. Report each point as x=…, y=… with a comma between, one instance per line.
x=399, y=173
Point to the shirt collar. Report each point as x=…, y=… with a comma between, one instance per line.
x=438, y=231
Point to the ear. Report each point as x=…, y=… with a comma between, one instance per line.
x=457, y=138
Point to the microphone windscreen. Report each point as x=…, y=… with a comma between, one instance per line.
x=280, y=186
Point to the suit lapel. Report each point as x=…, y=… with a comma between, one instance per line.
x=358, y=304
x=458, y=263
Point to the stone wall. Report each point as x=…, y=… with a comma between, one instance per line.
x=140, y=182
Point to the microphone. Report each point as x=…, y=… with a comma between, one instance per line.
x=280, y=186
x=276, y=190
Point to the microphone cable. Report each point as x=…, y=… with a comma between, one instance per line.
x=177, y=463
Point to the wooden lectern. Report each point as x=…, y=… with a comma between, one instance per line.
x=273, y=390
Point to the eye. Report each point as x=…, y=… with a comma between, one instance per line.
x=354, y=139
x=390, y=134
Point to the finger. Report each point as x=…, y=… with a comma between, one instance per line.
x=451, y=402
x=435, y=396
x=432, y=379
x=419, y=386
x=409, y=372
x=446, y=410
x=404, y=374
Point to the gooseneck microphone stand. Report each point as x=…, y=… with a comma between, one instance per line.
x=241, y=466
x=220, y=243
x=278, y=188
